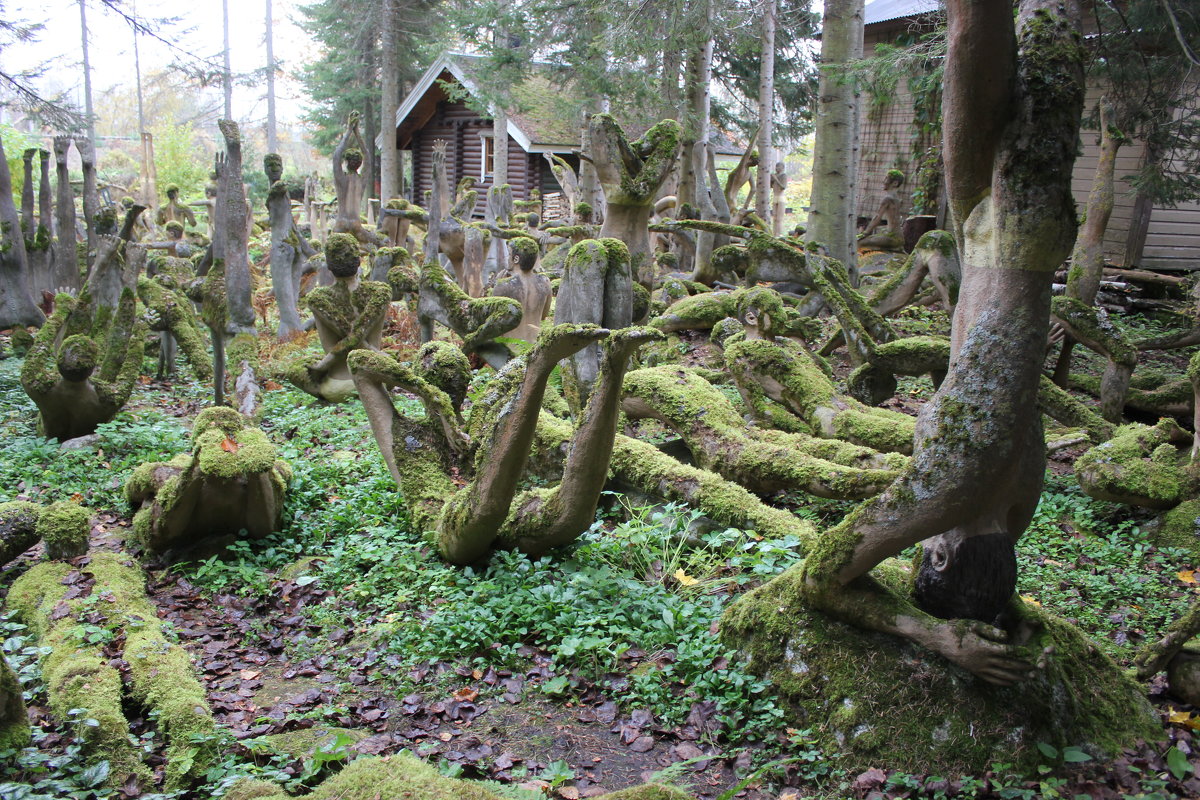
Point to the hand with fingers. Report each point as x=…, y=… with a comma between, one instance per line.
x=986, y=651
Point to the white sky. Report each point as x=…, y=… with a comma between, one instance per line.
x=111, y=46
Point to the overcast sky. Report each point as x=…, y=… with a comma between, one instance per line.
x=199, y=33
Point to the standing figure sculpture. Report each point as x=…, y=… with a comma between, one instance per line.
x=174, y=211
x=290, y=251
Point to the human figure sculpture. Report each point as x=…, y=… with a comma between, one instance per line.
x=349, y=315
x=67, y=272
x=530, y=289
x=290, y=251
x=170, y=313
x=174, y=211
x=231, y=483
x=883, y=231
x=779, y=182
x=83, y=380
x=425, y=454
x=347, y=159
x=477, y=320
x=91, y=194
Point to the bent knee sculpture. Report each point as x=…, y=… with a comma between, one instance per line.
x=492, y=447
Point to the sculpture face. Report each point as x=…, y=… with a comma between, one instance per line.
x=273, y=166
x=341, y=255
x=77, y=358
x=353, y=159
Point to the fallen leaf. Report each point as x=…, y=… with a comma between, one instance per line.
x=1186, y=575
x=569, y=792
x=466, y=694
x=1030, y=600
x=271, y=386
x=684, y=578
x=229, y=445
x=1178, y=717
x=250, y=674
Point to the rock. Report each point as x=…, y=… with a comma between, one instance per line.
x=89, y=442
x=1183, y=676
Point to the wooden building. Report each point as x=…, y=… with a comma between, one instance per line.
x=1139, y=233
x=542, y=121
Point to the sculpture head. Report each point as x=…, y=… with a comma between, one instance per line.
x=524, y=253
x=273, y=166
x=342, y=256
x=894, y=179
x=533, y=220
x=446, y=367
x=106, y=220
x=353, y=159
x=126, y=202
x=583, y=211
x=760, y=310
x=172, y=192
x=174, y=230
x=77, y=358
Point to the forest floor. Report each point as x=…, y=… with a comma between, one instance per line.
x=586, y=671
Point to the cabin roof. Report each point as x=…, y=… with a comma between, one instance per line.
x=885, y=10
x=540, y=118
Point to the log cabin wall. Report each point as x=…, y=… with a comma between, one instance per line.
x=462, y=128
x=1138, y=234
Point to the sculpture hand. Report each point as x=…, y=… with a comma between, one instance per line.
x=984, y=651
x=61, y=145
x=154, y=319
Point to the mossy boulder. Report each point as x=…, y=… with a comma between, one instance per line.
x=14, y=723
x=403, y=777
x=1179, y=527
x=307, y=741
x=64, y=529
x=879, y=699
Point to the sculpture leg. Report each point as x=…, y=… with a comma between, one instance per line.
x=542, y=520
x=472, y=518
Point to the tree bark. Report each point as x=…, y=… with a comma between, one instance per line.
x=272, y=138
x=87, y=73
x=389, y=161
x=832, y=203
x=17, y=306
x=766, y=110
x=226, y=73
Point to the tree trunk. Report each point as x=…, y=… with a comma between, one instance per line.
x=1087, y=259
x=389, y=161
x=91, y=194
x=16, y=292
x=272, y=138
x=226, y=73
x=832, y=203
x=694, y=121
x=87, y=74
x=235, y=250
x=149, y=175
x=766, y=110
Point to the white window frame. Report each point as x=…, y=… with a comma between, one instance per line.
x=484, y=162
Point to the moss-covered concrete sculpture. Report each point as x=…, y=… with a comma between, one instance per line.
x=478, y=321
x=762, y=460
x=404, y=776
x=173, y=210
x=529, y=288
x=883, y=232
x=1090, y=326
x=290, y=251
x=86, y=689
x=80, y=379
x=62, y=527
x=631, y=173
x=171, y=314
x=14, y=722
x=491, y=450
x=596, y=289
x=229, y=483
x=348, y=183
x=349, y=315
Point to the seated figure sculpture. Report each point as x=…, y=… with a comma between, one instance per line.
x=426, y=454
x=349, y=315
x=530, y=289
x=230, y=482
x=81, y=379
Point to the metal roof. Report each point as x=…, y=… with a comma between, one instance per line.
x=884, y=10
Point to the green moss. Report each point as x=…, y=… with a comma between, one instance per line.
x=14, y=724
x=403, y=777
x=1123, y=469
x=1096, y=327
x=1180, y=527
x=64, y=527
x=881, y=699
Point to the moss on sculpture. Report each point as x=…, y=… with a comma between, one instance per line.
x=404, y=776
x=64, y=528
x=85, y=689
x=230, y=483
x=878, y=698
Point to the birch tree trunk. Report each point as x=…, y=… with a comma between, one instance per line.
x=766, y=109
x=832, y=200
x=272, y=137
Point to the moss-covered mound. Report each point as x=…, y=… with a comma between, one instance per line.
x=883, y=700
x=403, y=777
x=83, y=685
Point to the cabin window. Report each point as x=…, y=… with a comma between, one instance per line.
x=487, y=165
